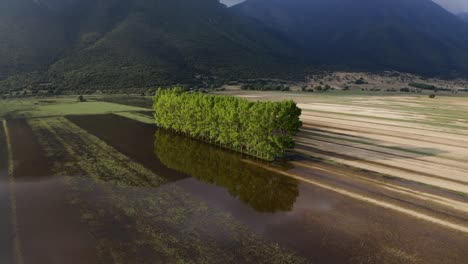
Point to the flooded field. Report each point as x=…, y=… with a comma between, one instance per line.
x=112, y=188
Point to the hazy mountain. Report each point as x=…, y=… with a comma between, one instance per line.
x=407, y=35
x=30, y=36
x=133, y=43
x=464, y=16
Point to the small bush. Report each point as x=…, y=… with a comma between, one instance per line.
x=405, y=90
x=360, y=81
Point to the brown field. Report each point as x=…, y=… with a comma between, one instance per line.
x=411, y=145
x=373, y=179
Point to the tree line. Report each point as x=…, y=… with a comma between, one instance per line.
x=261, y=129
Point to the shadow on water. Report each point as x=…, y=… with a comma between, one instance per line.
x=261, y=189
x=131, y=138
x=176, y=157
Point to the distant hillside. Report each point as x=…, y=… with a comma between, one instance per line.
x=464, y=16
x=31, y=36
x=121, y=43
x=104, y=44
x=407, y=35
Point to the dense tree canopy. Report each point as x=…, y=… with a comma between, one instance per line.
x=261, y=129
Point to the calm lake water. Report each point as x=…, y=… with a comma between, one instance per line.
x=210, y=205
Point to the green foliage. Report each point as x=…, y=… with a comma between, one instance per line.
x=261, y=129
x=423, y=86
x=405, y=90
x=360, y=81
x=261, y=189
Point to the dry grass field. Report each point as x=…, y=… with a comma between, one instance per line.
x=409, y=151
x=414, y=138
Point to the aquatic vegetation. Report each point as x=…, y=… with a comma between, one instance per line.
x=34, y=107
x=261, y=129
x=90, y=155
x=150, y=220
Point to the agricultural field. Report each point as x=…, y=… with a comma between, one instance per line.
x=372, y=180
x=414, y=138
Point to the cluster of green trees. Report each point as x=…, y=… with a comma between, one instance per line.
x=423, y=86
x=428, y=87
x=261, y=189
x=259, y=86
x=361, y=81
x=261, y=129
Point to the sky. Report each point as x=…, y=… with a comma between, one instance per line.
x=231, y=2
x=455, y=6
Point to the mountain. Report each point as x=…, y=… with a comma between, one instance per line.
x=122, y=43
x=30, y=36
x=463, y=16
x=104, y=44
x=415, y=36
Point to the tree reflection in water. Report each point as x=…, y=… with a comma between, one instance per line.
x=261, y=189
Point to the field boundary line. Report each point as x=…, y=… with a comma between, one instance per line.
x=392, y=171
x=308, y=124
x=385, y=146
x=307, y=148
x=457, y=205
x=387, y=155
x=374, y=121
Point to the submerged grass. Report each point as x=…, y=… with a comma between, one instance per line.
x=59, y=107
x=135, y=218
x=92, y=155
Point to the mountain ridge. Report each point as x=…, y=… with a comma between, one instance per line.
x=106, y=44
x=370, y=34
x=463, y=16
x=142, y=42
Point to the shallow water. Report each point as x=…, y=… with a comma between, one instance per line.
x=211, y=207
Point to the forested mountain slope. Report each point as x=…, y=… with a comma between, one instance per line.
x=105, y=43
x=408, y=35
x=464, y=16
